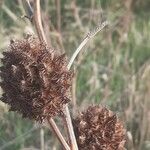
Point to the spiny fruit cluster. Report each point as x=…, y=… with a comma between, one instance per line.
x=36, y=83
x=35, y=80
x=99, y=129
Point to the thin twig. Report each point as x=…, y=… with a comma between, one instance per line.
x=74, y=99
x=38, y=22
x=89, y=36
x=58, y=134
x=69, y=126
x=66, y=110
x=9, y=12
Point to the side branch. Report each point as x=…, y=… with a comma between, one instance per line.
x=89, y=36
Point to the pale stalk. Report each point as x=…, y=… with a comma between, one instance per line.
x=58, y=133
x=38, y=22
x=66, y=110
x=89, y=36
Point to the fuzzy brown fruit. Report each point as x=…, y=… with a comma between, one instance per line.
x=35, y=80
x=99, y=129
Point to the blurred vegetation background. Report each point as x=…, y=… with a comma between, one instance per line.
x=113, y=69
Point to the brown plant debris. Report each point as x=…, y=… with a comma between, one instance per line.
x=35, y=80
x=99, y=129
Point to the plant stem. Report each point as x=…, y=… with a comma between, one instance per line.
x=38, y=22
x=70, y=130
x=89, y=36
x=58, y=134
x=66, y=110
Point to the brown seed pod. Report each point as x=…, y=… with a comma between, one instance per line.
x=99, y=129
x=35, y=80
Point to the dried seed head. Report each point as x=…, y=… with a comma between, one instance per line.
x=35, y=80
x=99, y=129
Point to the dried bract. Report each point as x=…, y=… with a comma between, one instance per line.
x=99, y=129
x=35, y=80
